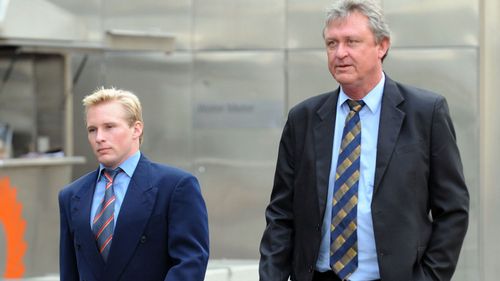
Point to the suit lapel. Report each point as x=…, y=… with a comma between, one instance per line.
x=391, y=119
x=134, y=214
x=81, y=203
x=323, y=142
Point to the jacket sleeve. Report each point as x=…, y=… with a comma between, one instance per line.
x=188, y=238
x=67, y=257
x=448, y=198
x=276, y=246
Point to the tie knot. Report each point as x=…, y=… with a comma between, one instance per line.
x=355, y=105
x=110, y=174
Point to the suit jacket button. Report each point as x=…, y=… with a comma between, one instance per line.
x=318, y=227
x=311, y=269
x=143, y=239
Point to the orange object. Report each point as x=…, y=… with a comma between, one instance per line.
x=14, y=226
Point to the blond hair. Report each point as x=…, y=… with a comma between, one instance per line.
x=129, y=101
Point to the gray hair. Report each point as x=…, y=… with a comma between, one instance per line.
x=370, y=8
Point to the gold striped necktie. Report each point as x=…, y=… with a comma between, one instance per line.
x=343, y=236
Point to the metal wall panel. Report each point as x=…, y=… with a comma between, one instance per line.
x=235, y=164
x=490, y=134
x=89, y=7
x=89, y=16
x=305, y=21
x=40, y=19
x=165, y=93
x=433, y=23
x=167, y=16
x=308, y=75
x=239, y=24
x=453, y=73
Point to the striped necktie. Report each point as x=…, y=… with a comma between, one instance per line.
x=343, y=236
x=104, y=220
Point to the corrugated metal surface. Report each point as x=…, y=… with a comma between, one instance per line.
x=239, y=24
x=426, y=23
x=235, y=162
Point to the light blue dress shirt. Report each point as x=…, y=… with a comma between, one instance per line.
x=370, y=117
x=120, y=185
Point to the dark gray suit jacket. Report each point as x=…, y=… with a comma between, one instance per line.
x=420, y=200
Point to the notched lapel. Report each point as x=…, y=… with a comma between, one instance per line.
x=81, y=203
x=391, y=120
x=323, y=142
x=134, y=215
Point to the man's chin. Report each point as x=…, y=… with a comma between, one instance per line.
x=106, y=160
x=343, y=79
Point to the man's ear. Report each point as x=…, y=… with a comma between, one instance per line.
x=384, y=45
x=138, y=127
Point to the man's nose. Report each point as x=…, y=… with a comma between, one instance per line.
x=99, y=136
x=341, y=50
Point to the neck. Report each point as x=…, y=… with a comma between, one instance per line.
x=359, y=90
x=354, y=94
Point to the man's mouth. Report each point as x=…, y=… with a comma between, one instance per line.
x=343, y=65
x=101, y=150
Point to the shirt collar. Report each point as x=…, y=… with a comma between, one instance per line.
x=128, y=166
x=373, y=99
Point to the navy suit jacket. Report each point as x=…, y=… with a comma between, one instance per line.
x=161, y=233
x=420, y=201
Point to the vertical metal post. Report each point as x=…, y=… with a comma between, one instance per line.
x=68, y=96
